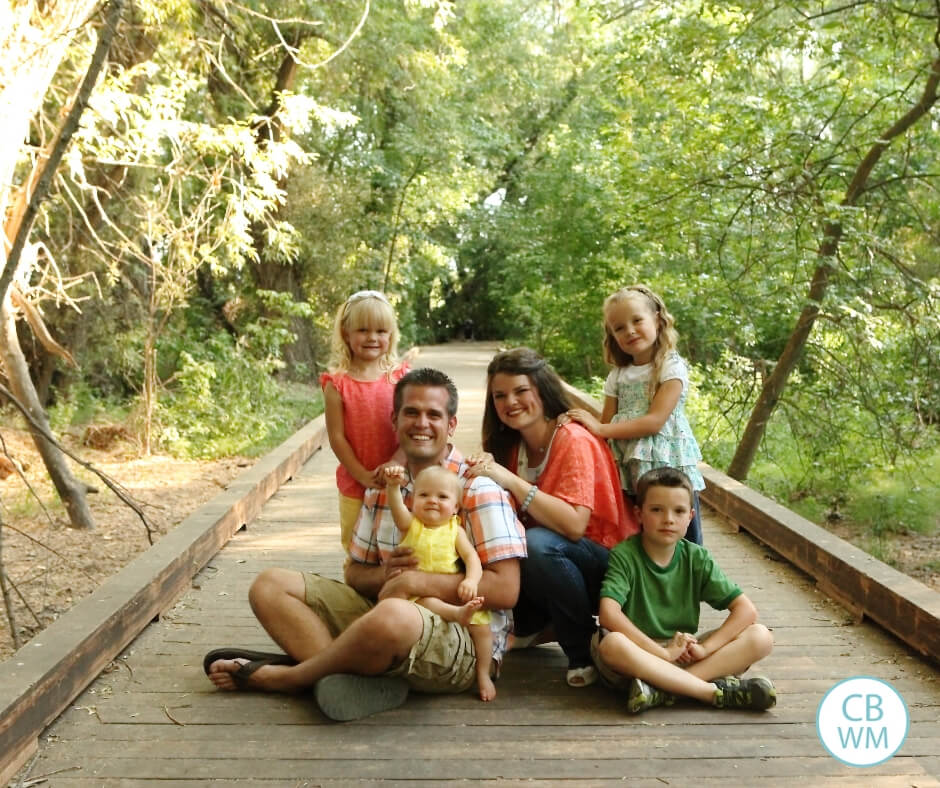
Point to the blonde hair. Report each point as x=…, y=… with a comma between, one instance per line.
x=441, y=473
x=362, y=309
x=666, y=335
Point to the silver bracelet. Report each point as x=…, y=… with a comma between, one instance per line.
x=528, y=498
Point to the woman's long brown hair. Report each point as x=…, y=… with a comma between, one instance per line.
x=498, y=439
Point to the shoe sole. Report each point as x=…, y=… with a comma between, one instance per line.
x=345, y=696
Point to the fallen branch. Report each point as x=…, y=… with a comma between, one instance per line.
x=113, y=485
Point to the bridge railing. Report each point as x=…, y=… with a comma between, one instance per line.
x=40, y=680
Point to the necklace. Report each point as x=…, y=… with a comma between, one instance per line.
x=541, y=450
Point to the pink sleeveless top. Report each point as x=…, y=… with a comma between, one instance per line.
x=367, y=421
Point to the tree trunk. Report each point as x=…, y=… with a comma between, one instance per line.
x=272, y=274
x=71, y=490
x=20, y=98
x=282, y=278
x=776, y=382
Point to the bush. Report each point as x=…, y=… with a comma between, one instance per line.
x=224, y=401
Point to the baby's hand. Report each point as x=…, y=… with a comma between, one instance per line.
x=393, y=474
x=467, y=590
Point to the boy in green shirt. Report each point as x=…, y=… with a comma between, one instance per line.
x=649, y=606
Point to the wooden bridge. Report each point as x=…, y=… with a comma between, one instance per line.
x=151, y=717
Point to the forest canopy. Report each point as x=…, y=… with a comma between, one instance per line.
x=497, y=167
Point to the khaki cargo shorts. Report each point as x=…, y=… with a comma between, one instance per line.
x=443, y=659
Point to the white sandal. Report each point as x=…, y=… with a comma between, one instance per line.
x=581, y=677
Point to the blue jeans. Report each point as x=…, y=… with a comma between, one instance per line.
x=561, y=584
x=694, y=534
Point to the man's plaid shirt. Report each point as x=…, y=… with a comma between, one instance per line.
x=488, y=518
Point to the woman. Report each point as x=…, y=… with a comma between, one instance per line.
x=567, y=488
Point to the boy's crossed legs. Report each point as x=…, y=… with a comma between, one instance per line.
x=621, y=661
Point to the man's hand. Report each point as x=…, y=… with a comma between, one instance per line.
x=399, y=575
x=401, y=559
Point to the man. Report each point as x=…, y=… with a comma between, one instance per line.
x=358, y=645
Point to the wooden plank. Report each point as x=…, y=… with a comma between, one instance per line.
x=400, y=748
x=846, y=780
x=40, y=679
x=744, y=770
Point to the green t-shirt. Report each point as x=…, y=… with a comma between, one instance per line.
x=661, y=601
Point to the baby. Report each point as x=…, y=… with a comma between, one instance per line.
x=433, y=530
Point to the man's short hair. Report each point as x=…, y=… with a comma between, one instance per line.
x=425, y=376
x=663, y=477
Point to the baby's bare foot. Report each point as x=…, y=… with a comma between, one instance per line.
x=468, y=609
x=487, y=687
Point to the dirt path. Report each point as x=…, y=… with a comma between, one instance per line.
x=52, y=566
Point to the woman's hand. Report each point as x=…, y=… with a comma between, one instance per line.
x=483, y=464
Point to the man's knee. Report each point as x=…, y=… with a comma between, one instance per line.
x=395, y=623
x=273, y=584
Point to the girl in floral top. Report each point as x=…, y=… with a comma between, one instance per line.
x=644, y=396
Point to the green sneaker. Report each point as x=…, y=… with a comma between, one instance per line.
x=757, y=693
x=645, y=696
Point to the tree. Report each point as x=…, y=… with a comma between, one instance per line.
x=36, y=43
x=827, y=256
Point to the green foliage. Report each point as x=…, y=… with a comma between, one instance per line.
x=225, y=401
x=507, y=165
x=821, y=457
x=81, y=404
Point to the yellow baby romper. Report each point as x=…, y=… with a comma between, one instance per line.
x=436, y=551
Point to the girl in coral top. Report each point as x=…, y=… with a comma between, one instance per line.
x=357, y=392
